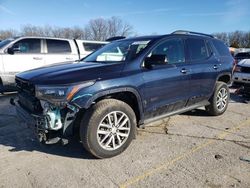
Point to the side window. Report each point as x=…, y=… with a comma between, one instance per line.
x=221, y=48
x=173, y=49
x=197, y=49
x=27, y=46
x=58, y=46
x=90, y=47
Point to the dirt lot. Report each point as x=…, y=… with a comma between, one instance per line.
x=189, y=150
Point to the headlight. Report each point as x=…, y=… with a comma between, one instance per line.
x=58, y=93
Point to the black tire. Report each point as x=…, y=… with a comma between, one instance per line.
x=93, y=118
x=213, y=109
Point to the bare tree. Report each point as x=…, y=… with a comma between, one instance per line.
x=96, y=29
x=4, y=34
x=78, y=33
x=237, y=39
x=222, y=36
x=248, y=40
x=101, y=29
x=31, y=30
x=117, y=27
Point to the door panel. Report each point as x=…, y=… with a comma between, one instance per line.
x=204, y=68
x=58, y=51
x=203, y=78
x=27, y=56
x=166, y=86
x=166, y=89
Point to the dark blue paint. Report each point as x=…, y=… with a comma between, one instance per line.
x=154, y=88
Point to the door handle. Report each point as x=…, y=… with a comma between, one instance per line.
x=184, y=71
x=69, y=58
x=215, y=67
x=37, y=58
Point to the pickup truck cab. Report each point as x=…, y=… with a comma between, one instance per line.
x=24, y=53
x=104, y=100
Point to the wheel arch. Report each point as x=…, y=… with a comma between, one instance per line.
x=224, y=77
x=126, y=94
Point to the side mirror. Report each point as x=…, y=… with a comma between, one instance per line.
x=155, y=60
x=12, y=50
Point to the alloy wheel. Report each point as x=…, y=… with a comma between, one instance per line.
x=113, y=130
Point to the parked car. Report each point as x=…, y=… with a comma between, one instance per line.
x=105, y=100
x=241, y=56
x=24, y=53
x=241, y=76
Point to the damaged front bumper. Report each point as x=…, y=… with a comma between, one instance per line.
x=40, y=124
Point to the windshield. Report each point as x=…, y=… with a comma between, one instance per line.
x=118, y=51
x=5, y=42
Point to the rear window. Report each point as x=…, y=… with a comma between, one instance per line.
x=197, y=49
x=91, y=46
x=58, y=46
x=221, y=48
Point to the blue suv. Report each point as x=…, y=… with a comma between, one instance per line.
x=124, y=85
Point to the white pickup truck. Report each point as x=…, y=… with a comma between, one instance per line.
x=24, y=53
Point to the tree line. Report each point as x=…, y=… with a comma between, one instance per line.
x=96, y=29
x=103, y=28
x=236, y=39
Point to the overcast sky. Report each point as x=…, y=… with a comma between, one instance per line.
x=147, y=16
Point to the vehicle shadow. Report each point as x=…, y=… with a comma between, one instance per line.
x=16, y=137
x=237, y=96
x=23, y=139
x=197, y=112
x=234, y=98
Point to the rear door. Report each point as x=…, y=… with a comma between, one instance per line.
x=166, y=87
x=59, y=50
x=204, y=68
x=27, y=56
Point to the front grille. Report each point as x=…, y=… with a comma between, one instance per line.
x=245, y=69
x=26, y=95
x=25, y=86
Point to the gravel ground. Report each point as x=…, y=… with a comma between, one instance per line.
x=188, y=150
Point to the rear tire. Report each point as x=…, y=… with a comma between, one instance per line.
x=219, y=100
x=107, y=128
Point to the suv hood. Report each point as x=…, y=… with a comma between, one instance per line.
x=71, y=73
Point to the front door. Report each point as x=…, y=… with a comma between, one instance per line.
x=26, y=55
x=166, y=86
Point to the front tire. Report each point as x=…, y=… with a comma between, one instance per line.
x=219, y=100
x=108, y=128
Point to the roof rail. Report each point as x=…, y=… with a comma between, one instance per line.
x=115, y=38
x=191, y=33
